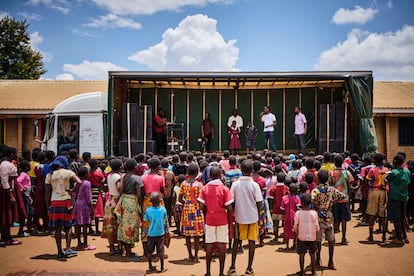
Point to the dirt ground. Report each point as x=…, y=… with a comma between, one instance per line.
x=37, y=256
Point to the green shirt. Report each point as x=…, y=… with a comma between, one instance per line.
x=399, y=178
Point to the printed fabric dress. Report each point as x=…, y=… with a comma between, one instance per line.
x=192, y=219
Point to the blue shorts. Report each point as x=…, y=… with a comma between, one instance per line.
x=250, y=142
x=341, y=211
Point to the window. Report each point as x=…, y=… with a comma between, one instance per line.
x=406, y=131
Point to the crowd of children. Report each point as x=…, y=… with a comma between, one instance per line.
x=214, y=202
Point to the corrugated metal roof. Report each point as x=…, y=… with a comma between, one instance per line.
x=393, y=96
x=41, y=96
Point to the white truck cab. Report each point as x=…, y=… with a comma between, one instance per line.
x=88, y=113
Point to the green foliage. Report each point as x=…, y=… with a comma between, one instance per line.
x=17, y=58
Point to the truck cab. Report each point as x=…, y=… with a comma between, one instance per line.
x=87, y=113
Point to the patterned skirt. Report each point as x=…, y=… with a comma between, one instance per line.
x=110, y=223
x=262, y=219
x=126, y=211
x=61, y=214
x=192, y=220
x=145, y=224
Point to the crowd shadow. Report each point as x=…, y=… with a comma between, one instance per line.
x=48, y=257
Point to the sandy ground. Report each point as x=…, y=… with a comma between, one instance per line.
x=37, y=256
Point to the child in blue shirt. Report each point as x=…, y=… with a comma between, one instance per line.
x=158, y=226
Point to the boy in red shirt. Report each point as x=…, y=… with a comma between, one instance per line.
x=276, y=194
x=215, y=199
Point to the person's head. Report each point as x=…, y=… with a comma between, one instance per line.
x=327, y=157
x=305, y=201
x=293, y=188
x=226, y=154
x=378, y=159
x=140, y=158
x=233, y=123
x=232, y=161
x=355, y=157
x=161, y=112
x=303, y=187
x=297, y=110
x=155, y=199
x=257, y=166
x=323, y=177
x=72, y=128
x=35, y=153
x=86, y=156
x=295, y=165
x=93, y=163
x=246, y=167
x=338, y=160
x=309, y=163
x=367, y=160
x=154, y=164
x=214, y=157
x=403, y=154
x=9, y=153
x=215, y=172
x=190, y=157
x=116, y=165
x=192, y=169
x=288, y=181
x=280, y=176
x=26, y=154
x=183, y=156
x=234, y=112
x=309, y=178
x=398, y=160
x=249, y=123
x=317, y=165
x=207, y=116
x=130, y=165
x=181, y=178
x=41, y=157
x=24, y=165
x=83, y=172
x=266, y=109
x=50, y=156
x=73, y=154
x=165, y=163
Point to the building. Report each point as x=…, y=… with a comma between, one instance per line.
x=394, y=117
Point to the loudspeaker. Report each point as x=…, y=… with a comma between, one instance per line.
x=141, y=112
x=136, y=147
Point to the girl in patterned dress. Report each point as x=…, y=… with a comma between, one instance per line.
x=192, y=220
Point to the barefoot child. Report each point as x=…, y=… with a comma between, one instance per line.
x=216, y=198
x=192, y=217
x=290, y=204
x=83, y=209
x=157, y=217
x=306, y=227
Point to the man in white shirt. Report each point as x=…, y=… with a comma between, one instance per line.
x=235, y=117
x=300, y=130
x=269, y=123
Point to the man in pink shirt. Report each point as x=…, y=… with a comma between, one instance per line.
x=215, y=199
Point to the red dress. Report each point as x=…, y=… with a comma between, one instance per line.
x=234, y=138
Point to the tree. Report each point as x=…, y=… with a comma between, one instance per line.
x=17, y=58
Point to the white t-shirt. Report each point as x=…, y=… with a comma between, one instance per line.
x=300, y=121
x=113, y=178
x=60, y=181
x=7, y=169
x=268, y=120
x=238, y=119
x=246, y=194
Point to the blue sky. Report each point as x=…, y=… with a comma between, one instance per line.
x=83, y=39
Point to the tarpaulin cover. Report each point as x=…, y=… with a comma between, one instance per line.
x=360, y=91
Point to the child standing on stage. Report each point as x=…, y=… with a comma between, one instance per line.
x=83, y=209
x=306, y=227
x=192, y=217
x=157, y=217
x=234, y=138
x=251, y=133
x=290, y=204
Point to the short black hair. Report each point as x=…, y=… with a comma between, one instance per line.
x=83, y=172
x=192, y=169
x=130, y=164
x=116, y=164
x=153, y=163
x=338, y=160
x=86, y=156
x=323, y=176
x=232, y=161
x=165, y=163
x=257, y=166
x=247, y=167
x=309, y=177
x=305, y=200
x=399, y=159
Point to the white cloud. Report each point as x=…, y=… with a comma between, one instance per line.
x=65, y=76
x=30, y=16
x=390, y=4
x=62, y=6
x=390, y=55
x=80, y=33
x=91, y=70
x=113, y=21
x=358, y=15
x=35, y=40
x=195, y=44
x=3, y=14
x=150, y=6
